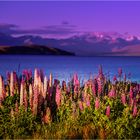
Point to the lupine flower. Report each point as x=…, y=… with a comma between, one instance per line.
x=97, y=103
x=108, y=111
x=123, y=99
x=50, y=80
x=131, y=92
x=12, y=84
x=134, y=111
x=45, y=87
x=64, y=87
x=114, y=78
x=81, y=105
x=47, y=116
x=1, y=88
x=88, y=101
x=112, y=93
x=94, y=88
x=30, y=96
x=36, y=75
x=131, y=101
x=16, y=107
x=99, y=86
x=21, y=93
x=35, y=100
x=25, y=99
x=58, y=96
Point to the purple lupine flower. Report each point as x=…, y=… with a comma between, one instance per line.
x=108, y=111
x=97, y=103
x=134, y=111
x=123, y=99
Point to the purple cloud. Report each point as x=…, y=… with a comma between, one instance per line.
x=64, y=29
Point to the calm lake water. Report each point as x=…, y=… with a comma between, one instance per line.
x=64, y=66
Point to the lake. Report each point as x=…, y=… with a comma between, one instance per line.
x=63, y=67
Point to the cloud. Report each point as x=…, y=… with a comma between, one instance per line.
x=8, y=28
x=63, y=29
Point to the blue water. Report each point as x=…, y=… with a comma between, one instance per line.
x=63, y=66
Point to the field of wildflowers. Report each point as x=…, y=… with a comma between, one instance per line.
x=37, y=106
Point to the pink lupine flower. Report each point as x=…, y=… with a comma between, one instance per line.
x=99, y=86
x=30, y=96
x=21, y=93
x=88, y=101
x=108, y=111
x=50, y=80
x=114, y=78
x=16, y=107
x=36, y=75
x=134, y=111
x=97, y=103
x=45, y=87
x=47, y=116
x=131, y=101
x=112, y=93
x=35, y=100
x=1, y=88
x=94, y=88
x=81, y=107
x=8, y=76
x=123, y=99
x=131, y=92
x=58, y=96
x=100, y=70
x=12, y=84
x=25, y=99
x=75, y=79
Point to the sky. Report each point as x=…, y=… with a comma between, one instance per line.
x=64, y=18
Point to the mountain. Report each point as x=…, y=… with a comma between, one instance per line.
x=84, y=44
x=33, y=49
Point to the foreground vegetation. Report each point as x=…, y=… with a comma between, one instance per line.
x=40, y=107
